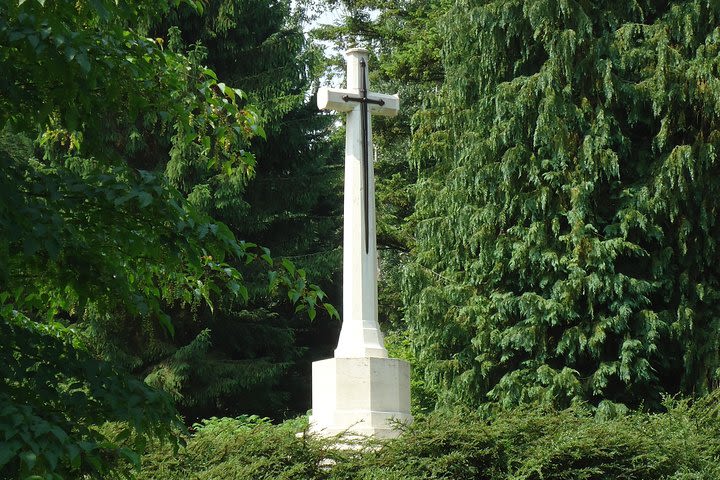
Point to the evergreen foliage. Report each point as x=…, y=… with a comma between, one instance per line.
x=259, y=45
x=246, y=447
x=53, y=396
x=256, y=356
x=293, y=203
x=233, y=356
x=567, y=237
x=526, y=444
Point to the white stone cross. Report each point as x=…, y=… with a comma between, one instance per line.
x=360, y=390
x=360, y=336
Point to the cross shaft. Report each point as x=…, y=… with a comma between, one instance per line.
x=360, y=336
x=364, y=101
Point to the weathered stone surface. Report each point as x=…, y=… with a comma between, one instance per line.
x=361, y=396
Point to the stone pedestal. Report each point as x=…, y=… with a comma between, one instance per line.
x=360, y=396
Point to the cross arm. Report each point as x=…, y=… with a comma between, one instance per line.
x=332, y=99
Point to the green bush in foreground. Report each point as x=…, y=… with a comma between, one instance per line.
x=239, y=448
x=681, y=444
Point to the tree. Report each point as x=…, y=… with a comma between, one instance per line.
x=250, y=356
x=567, y=246
x=85, y=231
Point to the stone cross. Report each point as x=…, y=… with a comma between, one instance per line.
x=360, y=335
x=360, y=390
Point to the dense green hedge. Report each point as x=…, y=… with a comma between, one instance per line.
x=528, y=444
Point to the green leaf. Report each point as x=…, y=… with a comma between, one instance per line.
x=95, y=462
x=29, y=459
x=167, y=324
x=51, y=455
x=70, y=53
x=318, y=291
x=124, y=434
x=258, y=130
x=243, y=293
x=210, y=73
x=266, y=255
x=293, y=295
x=228, y=91
x=83, y=61
x=74, y=455
x=273, y=280
x=8, y=450
x=34, y=40
x=59, y=433
x=331, y=311
x=144, y=198
x=227, y=168
x=289, y=266
x=133, y=457
x=15, y=36
x=100, y=8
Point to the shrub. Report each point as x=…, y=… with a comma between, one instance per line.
x=246, y=447
x=522, y=444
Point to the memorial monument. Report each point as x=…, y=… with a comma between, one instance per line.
x=360, y=390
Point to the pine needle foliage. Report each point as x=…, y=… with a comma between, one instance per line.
x=567, y=246
x=247, y=447
x=292, y=206
x=532, y=444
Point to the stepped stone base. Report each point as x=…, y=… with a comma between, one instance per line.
x=361, y=396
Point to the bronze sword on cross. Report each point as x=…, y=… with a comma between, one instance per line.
x=363, y=100
x=380, y=104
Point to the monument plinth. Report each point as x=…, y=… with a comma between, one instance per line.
x=361, y=390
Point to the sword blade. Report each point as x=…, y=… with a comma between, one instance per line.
x=366, y=161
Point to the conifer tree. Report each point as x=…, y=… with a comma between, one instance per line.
x=567, y=245
x=292, y=205
x=250, y=357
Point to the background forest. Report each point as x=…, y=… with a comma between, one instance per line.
x=170, y=231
